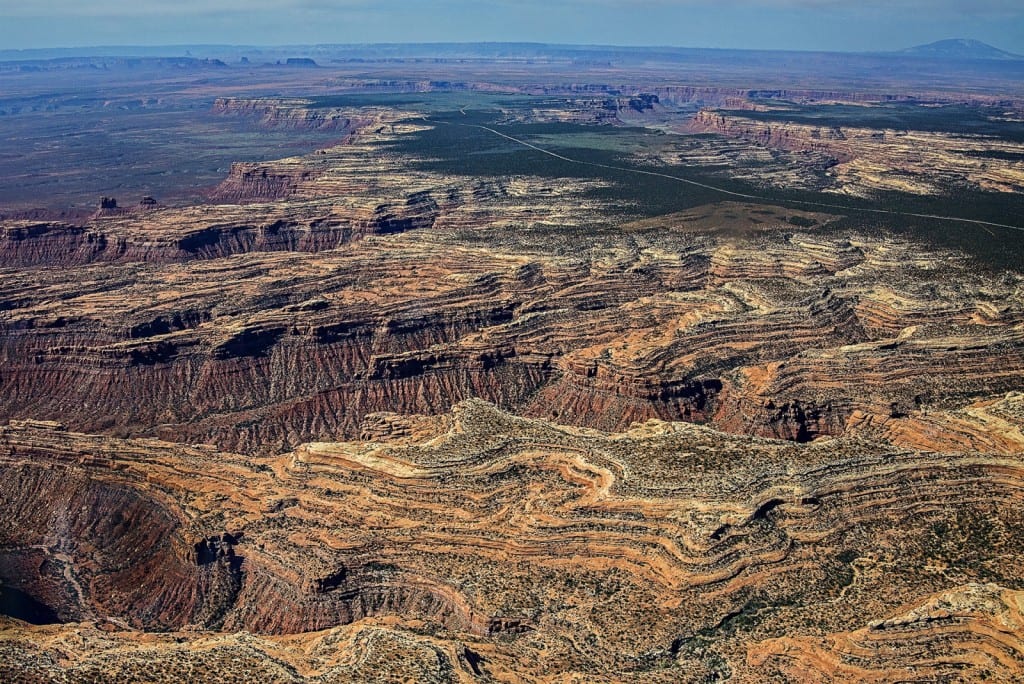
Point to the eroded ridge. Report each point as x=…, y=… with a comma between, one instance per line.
x=967, y=633
x=314, y=291
x=504, y=544
x=360, y=418
x=726, y=314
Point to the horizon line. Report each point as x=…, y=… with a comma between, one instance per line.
x=282, y=46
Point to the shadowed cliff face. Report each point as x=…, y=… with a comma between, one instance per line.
x=377, y=286
x=79, y=547
x=86, y=538
x=49, y=244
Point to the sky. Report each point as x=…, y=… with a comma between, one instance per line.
x=843, y=25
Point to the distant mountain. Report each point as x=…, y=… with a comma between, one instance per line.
x=959, y=48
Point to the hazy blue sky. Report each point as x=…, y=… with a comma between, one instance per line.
x=796, y=24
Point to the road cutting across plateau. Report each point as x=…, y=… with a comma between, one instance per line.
x=713, y=188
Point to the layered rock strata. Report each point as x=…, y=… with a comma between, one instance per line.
x=509, y=545
x=791, y=335
x=869, y=159
x=358, y=420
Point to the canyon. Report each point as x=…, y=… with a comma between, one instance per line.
x=522, y=378
x=477, y=544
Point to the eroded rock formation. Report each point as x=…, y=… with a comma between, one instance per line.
x=538, y=548
x=294, y=113
x=269, y=341
x=360, y=419
x=869, y=159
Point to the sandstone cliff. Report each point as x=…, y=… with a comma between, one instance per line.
x=294, y=113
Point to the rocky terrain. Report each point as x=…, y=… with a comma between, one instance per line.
x=360, y=418
x=266, y=336
x=286, y=113
x=477, y=545
x=869, y=159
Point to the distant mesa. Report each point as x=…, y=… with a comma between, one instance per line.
x=108, y=206
x=960, y=48
x=300, y=62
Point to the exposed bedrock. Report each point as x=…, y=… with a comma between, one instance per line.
x=313, y=203
x=377, y=286
x=317, y=229
x=83, y=547
x=832, y=140
x=898, y=381
x=269, y=383
x=87, y=536
x=968, y=633
x=258, y=183
x=867, y=160
x=783, y=335
x=668, y=547
x=290, y=113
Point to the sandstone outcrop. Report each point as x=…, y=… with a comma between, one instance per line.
x=268, y=340
x=970, y=633
x=541, y=549
x=290, y=113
